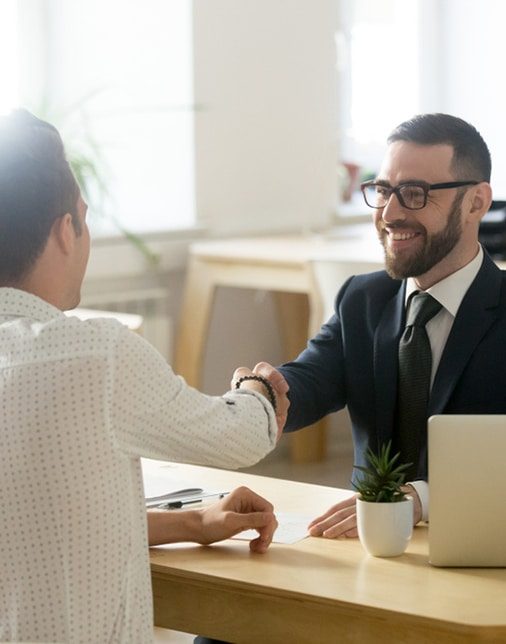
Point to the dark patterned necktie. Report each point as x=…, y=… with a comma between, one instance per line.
x=415, y=365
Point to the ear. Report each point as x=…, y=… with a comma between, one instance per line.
x=63, y=233
x=481, y=198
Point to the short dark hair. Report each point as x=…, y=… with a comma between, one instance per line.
x=36, y=187
x=471, y=156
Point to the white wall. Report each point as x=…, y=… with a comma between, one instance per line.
x=472, y=60
x=266, y=133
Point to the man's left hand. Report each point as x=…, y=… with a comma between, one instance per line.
x=240, y=510
x=341, y=519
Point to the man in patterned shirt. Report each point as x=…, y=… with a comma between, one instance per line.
x=80, y=403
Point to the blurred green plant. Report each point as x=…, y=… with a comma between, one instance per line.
x=88, y=164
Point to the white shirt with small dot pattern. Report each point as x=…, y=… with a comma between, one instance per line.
x=80, y=402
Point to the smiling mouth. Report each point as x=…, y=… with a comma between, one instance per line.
x=398, y=236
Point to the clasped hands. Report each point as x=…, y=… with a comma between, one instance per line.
x=278, y=383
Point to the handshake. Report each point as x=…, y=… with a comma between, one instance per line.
x=268, y=381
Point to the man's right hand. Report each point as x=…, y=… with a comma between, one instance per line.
x=280, y=387
x=278, y=383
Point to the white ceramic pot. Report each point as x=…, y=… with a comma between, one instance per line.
x=385, y=529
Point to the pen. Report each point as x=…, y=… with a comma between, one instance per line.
x=174, y=505
x=155, y=501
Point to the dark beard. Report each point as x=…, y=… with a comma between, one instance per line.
x=436, y=247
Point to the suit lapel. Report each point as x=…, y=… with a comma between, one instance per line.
x=476, y=314
x=386, y=342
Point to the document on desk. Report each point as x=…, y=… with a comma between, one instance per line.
x=292, y=528
x=159, y=489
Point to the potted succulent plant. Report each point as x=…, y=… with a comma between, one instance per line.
x=384, y=511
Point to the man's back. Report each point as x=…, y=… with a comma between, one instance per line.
x=73, y=550
x=80, y=403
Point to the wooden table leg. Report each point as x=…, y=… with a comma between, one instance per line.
x=309, y=444
x=198, y=297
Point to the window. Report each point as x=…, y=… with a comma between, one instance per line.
x=8, y=55
x=118, y=84
x=397, y=58
x=379, y=75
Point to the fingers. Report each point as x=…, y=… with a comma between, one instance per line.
x=239, y=373
x=248, y=510
x=349, y=502
x=339, y=521
x=242, y=499
x=273, y=376
x=280, y=387
x=265, y=524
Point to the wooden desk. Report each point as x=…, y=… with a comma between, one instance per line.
x=319, y=590
x=278, y=264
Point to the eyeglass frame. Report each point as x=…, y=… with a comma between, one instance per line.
x=427, y=187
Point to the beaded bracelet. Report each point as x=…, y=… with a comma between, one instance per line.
x=266, y=384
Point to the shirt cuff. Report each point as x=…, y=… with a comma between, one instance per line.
x=422, y=489
x=269, y=410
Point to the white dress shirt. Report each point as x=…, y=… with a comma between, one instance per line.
x=80, y=403
x=449, y=292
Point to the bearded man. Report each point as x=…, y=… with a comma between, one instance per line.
x=440, y=293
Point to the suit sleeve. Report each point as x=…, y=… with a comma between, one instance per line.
x=317, y=376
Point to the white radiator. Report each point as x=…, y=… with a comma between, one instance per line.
x=150, y=303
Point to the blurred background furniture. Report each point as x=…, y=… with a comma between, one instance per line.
x=283, y=265
x=492, y=233
x=331, y=273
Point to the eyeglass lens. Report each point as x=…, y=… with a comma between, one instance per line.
x=410, y=196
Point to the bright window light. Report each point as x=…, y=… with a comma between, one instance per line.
x=380, y=79
x=126, y=66
x=8, y=55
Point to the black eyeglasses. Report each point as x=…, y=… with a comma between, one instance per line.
x=411, y=195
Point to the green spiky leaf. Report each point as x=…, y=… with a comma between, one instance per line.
x=382, y=478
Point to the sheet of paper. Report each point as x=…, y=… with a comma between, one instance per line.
x=158, y=486
x=292, y=528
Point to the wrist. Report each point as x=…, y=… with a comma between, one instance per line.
x=266, y=388
x=192, y=525
x=411, y=491
x=421, y=488
x=174, y=526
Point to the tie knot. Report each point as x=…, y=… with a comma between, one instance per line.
x=422, y=308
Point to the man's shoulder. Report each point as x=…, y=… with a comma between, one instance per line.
x=489, y=285
x=97, y=330
x=379, y=278
x=74, y=336
x=376, y=287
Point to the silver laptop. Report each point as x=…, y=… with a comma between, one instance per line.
x=467, y=488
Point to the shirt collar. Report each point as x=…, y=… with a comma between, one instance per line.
x=17, y=303
x=450, y=291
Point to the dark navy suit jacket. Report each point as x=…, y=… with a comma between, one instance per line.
x=353, y=359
